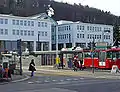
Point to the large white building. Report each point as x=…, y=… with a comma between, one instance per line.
x=72, y=34
x=13, y=28
x=40, y=32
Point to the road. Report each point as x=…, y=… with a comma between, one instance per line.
x=45, y=83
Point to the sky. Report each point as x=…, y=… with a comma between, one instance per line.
x=107, y=5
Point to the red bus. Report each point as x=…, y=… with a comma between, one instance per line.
x=103, y=59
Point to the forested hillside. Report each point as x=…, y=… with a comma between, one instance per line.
x=62, y=11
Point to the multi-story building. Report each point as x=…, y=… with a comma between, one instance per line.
x=32, y=30
x=72, y=34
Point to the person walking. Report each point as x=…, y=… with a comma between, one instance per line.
x=81, y=62
x=32, y=67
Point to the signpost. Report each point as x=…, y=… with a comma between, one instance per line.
x=19, y=42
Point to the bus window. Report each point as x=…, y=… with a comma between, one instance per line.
x=109, y=54
x=113, y=55
x=88, y=54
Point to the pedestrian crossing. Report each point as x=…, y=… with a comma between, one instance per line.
x=56, y=81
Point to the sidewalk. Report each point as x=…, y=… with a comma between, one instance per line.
x=46, y=70
x=15, y=78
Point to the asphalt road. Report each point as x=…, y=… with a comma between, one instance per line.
x=62, y=84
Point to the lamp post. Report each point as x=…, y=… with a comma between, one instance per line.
x=103, y=36
x=38, y=41
x=93, y=55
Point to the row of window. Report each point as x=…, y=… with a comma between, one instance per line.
x=3, y=31
x=80, y=27
x=106, y=36
x=41, y=33
x=65, y=36
x=42, y=24
x=63, y=28
x=3, y=21
x=90, y=36
x=94, y=28
x=23, y=23
x=80, y=35
x=23, y=32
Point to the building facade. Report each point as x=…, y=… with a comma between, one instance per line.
x=72, y=34
x=35, y=32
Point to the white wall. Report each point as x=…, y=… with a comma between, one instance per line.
x=74, y=31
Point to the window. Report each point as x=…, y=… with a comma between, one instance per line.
x=45, y=33
x=25, y=23
x=88, y=36
x=87, y=27
x=82, y=35
x=21, y=22
x=21, y=32
x=6, y=21
x=67, y=35
x=77, y=27
x=13, y=32
x=100, y=29
x=1, y=21
x=32, y=33
x=6, y=31
x=95, y=36
x=28, y=23
x=90, y=28
x=39, y=32
x=80, y=27
x=93, y=28
x=42, y=33
x=17, y=22
x=77, y=35
x=42, y=24
x=13, y=22
x=17, y=32
x=1, y=31
x=25, y=32
x=28, y=33
x=83, y=27
x=63, y=37
x=100, y=36
x=38, y=24
x=45, y=24
x=32, y=23
x=69, y=27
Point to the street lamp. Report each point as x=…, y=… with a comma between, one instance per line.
x=38, y=41
x=93, y=43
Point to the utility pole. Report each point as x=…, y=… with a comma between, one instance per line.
x=92, y=54
x=38, y=41
x=19, y=42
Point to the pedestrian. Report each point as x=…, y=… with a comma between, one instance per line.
x=81, y=62
x=32, y=67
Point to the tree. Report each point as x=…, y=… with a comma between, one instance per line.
x=116, y=34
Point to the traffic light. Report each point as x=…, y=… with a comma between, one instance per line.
x=19, y=42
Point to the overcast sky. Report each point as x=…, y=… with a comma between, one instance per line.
x=107, y=5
